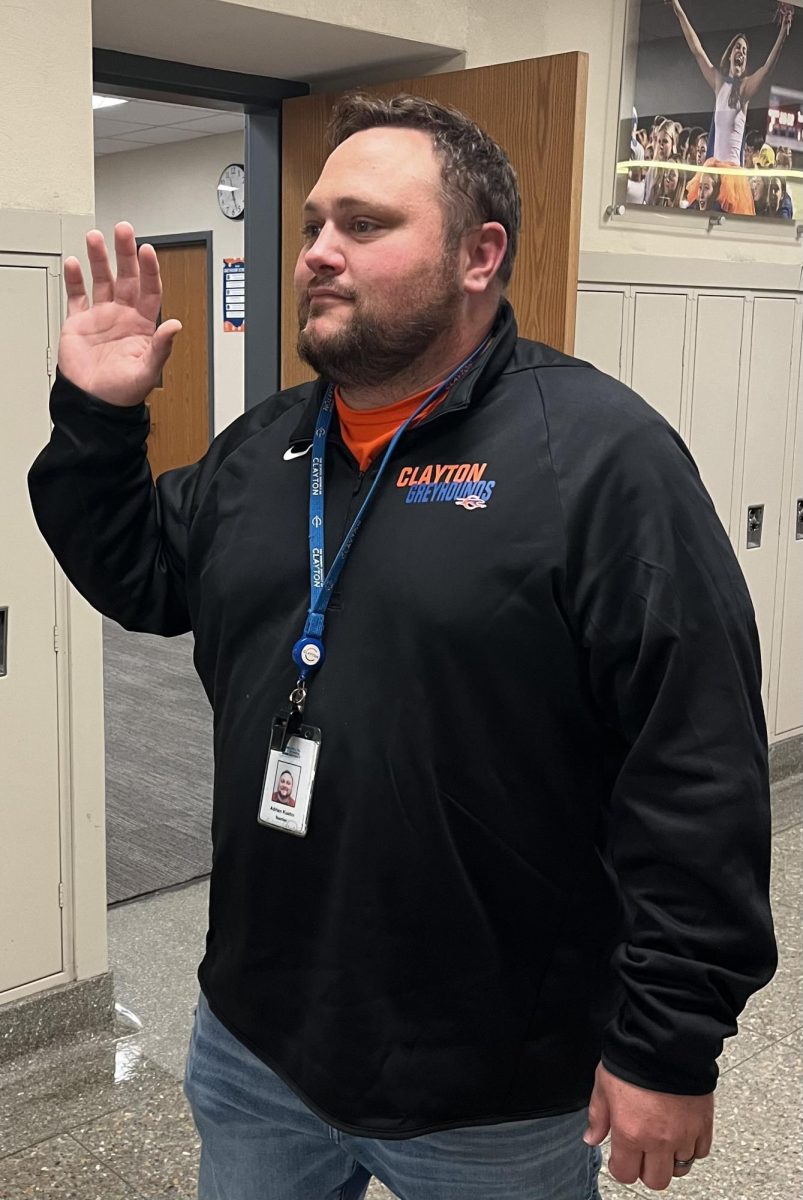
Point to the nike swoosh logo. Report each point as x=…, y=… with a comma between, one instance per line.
x=292, y=453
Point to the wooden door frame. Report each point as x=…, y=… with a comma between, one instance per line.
x=198, y=238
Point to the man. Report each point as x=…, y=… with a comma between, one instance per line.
x=284, y=790
x=532, y=896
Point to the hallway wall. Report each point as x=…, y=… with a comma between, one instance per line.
x=46, y=131
x=509, y=30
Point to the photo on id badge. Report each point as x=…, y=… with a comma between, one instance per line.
x=287, y=788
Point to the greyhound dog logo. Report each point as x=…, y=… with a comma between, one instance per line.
x=471, y=502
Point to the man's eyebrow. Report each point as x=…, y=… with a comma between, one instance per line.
x=346, y=202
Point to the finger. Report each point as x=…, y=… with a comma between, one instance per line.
x=102, y=278
x=161, y=347
x=657, y=1169
x=625, y=1161
x=599, y=1119
x=702, y=1147
x=150, y=283
x=126, y=290
x=77, y=299
x=686, y=1154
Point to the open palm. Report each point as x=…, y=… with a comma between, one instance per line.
x=113, y=348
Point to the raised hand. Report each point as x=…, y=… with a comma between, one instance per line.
x=112, y=348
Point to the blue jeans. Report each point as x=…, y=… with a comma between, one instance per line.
x=260, y=1142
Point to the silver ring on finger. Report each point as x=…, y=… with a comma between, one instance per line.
x=684, y=1163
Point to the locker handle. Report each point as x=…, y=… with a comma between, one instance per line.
x=755, y=522
x=3, y=641
x=799, y=522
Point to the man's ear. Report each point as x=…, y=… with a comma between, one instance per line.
x=485, y=249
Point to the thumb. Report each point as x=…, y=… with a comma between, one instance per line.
x=599, y=1118
x=162, y=345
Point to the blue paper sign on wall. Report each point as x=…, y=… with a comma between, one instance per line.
x=233, y=295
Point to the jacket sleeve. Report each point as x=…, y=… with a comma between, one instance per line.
x=121, y=541
x=668, y=637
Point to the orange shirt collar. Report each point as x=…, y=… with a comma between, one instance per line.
x=367, y=431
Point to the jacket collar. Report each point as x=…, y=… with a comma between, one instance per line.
x=472, y=386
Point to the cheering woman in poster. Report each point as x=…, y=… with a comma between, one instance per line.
x=733, y=89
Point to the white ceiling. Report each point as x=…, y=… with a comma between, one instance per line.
x=141, y=123
x=235, y=37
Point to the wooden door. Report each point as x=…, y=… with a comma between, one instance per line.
x=180, y=427
x=535, y=109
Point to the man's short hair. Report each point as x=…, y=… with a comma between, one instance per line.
x=478, y=180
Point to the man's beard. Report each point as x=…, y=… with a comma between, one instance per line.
x=378, y=344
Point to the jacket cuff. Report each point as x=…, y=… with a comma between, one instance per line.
x=663, y=1076
x=66, y=394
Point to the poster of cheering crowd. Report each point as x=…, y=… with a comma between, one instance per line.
x=717, y=120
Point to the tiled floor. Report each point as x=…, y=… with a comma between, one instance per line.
x=105, y=1119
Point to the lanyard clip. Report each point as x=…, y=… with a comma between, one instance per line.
x=298, y=697
x=288, y=719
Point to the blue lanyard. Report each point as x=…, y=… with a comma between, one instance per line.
x=308, y=652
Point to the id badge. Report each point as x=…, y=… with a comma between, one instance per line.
x=289, y=779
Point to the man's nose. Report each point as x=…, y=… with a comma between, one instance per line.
x=325, y=256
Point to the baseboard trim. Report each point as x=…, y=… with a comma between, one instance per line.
x=86, y=1006
x=786, y=758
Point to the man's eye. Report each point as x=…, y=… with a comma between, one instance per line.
x=310, y=232
x=363, y=226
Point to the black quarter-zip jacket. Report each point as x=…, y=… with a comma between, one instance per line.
x=540, y=828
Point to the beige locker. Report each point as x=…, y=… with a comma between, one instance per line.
x=30, y=852
x=599, y=338
x=789, y=715
x=768, y=397
x=659, y=351
x=715, y=396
